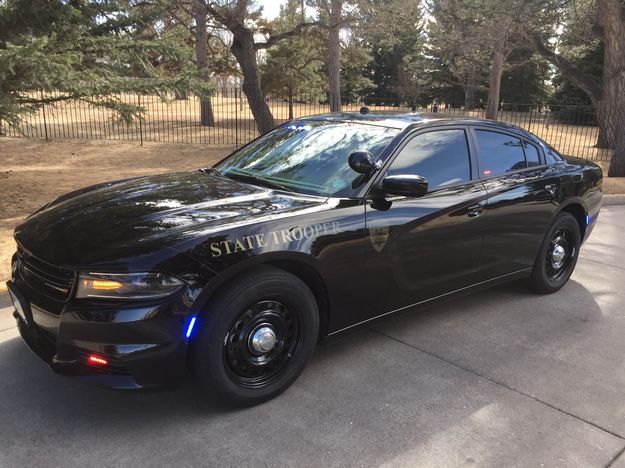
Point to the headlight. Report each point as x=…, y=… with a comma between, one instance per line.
x=127, y=286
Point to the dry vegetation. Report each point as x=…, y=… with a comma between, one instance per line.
x=33, y=172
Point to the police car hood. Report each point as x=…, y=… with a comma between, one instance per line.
x=148, y=213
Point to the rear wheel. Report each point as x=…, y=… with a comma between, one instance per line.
x=558, y=255
x=255, y=338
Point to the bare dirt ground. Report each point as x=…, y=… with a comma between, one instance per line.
x=33, y=172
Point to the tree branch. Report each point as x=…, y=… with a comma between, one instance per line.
x=213, y=10
x=514, y=65
x=454, y=80
x=273, y=39
x=580, y=79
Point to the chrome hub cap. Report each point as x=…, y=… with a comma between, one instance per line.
x=561, y=255
x=262, y=340
x=558, y=254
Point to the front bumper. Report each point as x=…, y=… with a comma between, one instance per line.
x=144, y=344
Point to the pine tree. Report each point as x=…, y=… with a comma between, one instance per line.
x=526, y=84
x=482, y=37
x=399, y=67
x=293, y=67
x=89, y=51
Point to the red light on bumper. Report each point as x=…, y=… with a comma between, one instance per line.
x=96, y=360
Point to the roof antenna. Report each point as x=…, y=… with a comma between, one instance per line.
x=364, y=110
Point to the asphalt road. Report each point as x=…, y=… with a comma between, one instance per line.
x=499, y=378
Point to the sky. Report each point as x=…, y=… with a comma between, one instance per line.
x=271, y=8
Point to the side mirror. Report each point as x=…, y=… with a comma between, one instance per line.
x=405, y=185
x=363, y=162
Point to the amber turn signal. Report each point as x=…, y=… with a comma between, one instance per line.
x=102, y=284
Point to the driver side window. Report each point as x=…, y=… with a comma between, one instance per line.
x=441, y=156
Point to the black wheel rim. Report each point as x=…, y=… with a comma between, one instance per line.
x=247, y=364
x=560, y=255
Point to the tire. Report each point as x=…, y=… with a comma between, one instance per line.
x=225, y=358
x=558, y=255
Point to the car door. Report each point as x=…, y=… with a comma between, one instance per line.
x=427, y=246
x=522, y=193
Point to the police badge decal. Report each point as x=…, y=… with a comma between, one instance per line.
x=378, y=237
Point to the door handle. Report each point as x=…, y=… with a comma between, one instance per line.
x=551, y=188
x=474, y=210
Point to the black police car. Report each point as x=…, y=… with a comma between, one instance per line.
x=322, y=224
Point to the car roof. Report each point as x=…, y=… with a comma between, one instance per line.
x=402, y=121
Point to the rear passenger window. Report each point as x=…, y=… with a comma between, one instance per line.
x=531, y=155
x=499, y=153
x=441, y=156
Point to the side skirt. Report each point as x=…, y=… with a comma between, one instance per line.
x=443, y=297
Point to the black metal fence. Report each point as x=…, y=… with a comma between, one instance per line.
x=570, y=129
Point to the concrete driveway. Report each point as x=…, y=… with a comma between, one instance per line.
x=499, y=378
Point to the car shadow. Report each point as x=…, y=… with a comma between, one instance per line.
x=30, y=385
x=506, y=311
x=548, y=346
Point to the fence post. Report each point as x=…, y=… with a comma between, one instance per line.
x=236, y=118
x=529, y=125
x=43, y=112
x=140, y=121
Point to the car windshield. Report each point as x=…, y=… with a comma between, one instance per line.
x=307, y=157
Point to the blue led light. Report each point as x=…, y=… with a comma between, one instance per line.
x=190, y=327
x=297, y=127
x=587, y=220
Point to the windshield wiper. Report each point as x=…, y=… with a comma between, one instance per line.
x=247, y=178
x=258, y=180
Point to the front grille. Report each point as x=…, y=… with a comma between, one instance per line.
x=48, y=280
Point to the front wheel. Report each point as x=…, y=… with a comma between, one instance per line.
x=255, y=338
x=558, y=255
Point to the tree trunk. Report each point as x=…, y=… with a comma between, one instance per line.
x=616, y=118
x=610, y=26
x=207, y=118
x=496, y=69
x=617, y=164
x=334, y=58
x=605, y=122
x=245, y=52
x=608, y=99
x=469, y=94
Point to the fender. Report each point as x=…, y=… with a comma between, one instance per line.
x=302, y=265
